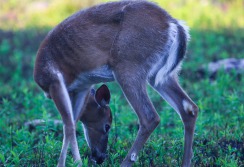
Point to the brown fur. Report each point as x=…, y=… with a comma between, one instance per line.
x=132, y=42
x=98, y=34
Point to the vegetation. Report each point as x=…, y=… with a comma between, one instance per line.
x=216, y=33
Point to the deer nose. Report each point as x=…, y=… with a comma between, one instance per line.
x=99, y=158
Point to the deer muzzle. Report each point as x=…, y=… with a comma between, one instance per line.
x=98, y=157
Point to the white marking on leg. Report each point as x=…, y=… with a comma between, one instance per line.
x=188, y=107
x=66, y=96
x=86, y=136
x=75, y=151
x=63, y=154
x=133, y=157
x=69, y=137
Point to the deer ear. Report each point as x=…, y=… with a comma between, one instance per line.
x=102, y=95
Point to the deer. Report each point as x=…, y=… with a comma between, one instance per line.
x=135, y=43
x=96, y=121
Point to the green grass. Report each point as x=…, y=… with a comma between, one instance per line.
x=219, y=130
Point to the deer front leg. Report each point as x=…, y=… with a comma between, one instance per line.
x=62, y=101
x=171, y=91
x=135, y=92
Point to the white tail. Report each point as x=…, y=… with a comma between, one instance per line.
x=132, y=42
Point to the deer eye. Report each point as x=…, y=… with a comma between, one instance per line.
x=107, y=127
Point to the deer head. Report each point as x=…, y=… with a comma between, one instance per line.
x=96, y=120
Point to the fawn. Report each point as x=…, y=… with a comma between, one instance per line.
x=130, y=42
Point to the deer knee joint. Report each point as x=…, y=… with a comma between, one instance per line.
x=156, y=121
x=69, y=129
x=150, y=125
x=190, y=108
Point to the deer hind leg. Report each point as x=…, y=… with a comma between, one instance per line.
x=135, y=91
x=60, y=96
x=171, y=91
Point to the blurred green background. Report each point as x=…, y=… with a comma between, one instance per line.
x=217, y=32
x=200, y=14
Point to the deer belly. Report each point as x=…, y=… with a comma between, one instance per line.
x=86, y=79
